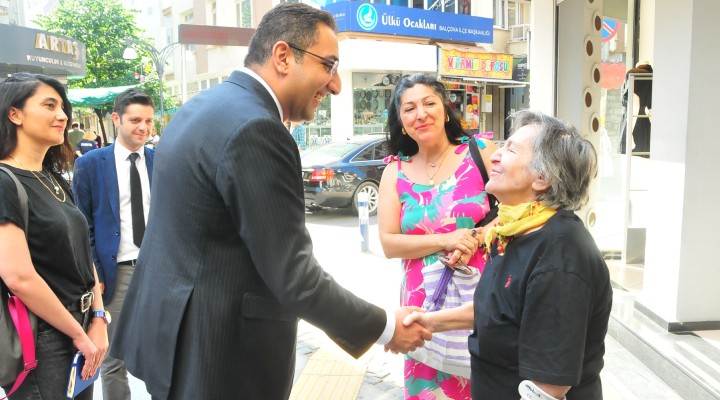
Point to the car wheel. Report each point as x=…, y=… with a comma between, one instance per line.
x=373, y=195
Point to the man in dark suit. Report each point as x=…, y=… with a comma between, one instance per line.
x=227, y=266
x=112, y=189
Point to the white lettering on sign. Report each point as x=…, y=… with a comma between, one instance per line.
x=390, y=20
x=57, y=44
x=419, y=24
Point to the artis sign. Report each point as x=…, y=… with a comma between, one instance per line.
x=22, y=47
x=57, y=44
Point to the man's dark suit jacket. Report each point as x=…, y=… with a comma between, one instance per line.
x=95, y=185
x=227, y=267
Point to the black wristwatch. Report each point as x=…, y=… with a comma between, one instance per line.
x=105, y=315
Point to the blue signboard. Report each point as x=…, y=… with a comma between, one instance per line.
x=355, y=16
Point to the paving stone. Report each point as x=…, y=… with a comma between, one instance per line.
x=372, y=379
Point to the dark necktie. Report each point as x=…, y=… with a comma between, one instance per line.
x=136, y=202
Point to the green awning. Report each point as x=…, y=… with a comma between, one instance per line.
x=96, y=97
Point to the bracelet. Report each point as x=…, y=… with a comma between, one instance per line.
x=530, y=391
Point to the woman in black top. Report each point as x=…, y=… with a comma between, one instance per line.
x=51, y=271
x=542, y=305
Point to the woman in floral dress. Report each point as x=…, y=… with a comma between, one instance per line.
x=431, y=196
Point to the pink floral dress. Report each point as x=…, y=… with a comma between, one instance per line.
x=461, y=200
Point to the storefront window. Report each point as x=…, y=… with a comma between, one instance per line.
x=317, y=131
x=465, y=102
x=612, y=164
x=372, y=94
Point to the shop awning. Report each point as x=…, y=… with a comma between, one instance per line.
x=95, y=97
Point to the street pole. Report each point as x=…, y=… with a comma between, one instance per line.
x=364, y=217
x=159, y=57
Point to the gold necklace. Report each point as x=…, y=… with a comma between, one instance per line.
x=431, y=182
x=50, y=179
x=432, y=164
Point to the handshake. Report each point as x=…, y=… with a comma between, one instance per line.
x=410, y=333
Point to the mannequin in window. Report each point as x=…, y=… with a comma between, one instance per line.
x=641, y=130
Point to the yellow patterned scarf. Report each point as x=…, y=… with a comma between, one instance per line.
x=515, y=220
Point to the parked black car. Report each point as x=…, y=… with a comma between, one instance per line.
x=335, y=173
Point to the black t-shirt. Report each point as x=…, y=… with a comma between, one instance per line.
x=57, y=234
x=541, y=313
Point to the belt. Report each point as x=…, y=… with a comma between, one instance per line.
x=128, y=262
x=84, y=304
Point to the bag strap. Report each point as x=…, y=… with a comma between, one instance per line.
x=22, y=196
x=19, y=315
x=18, y=311
x=477, y=158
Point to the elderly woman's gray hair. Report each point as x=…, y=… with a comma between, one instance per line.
x=567, y=161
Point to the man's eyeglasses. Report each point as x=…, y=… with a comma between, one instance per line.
x=331, y=64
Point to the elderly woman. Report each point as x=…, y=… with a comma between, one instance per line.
x=431, y=196
x=541, y=308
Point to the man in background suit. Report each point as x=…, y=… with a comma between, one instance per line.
x=227, y=265
x=112, y=189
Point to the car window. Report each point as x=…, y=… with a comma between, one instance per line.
x=327, y=154
x=382, y=150
x=365, y=155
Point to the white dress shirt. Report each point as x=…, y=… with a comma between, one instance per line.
x=127, y=250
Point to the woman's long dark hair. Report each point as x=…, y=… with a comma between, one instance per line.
x=404, y=143
x=14, y=92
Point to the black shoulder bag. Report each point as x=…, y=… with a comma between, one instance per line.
x=477, y=158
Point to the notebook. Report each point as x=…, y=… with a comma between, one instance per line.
x=76, y=383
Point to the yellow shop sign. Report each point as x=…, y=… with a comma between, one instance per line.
x=475, y=65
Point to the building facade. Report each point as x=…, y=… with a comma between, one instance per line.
x=655, y=207
x=24, y=48
x=373, y=59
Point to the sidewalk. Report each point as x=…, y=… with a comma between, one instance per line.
x=376, y=279
x=624, y=376
x=334, y=375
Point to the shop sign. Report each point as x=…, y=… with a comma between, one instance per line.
x=520, y=69
x=57, y=44
x=475, y=65
x=31, y=47
x=355, y=16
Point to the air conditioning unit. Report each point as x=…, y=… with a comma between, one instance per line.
x=519, y=33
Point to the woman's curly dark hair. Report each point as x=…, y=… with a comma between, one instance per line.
x=400, y=143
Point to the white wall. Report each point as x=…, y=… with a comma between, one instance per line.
x=542, y=56
x=647, y=31
x=681, y=271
